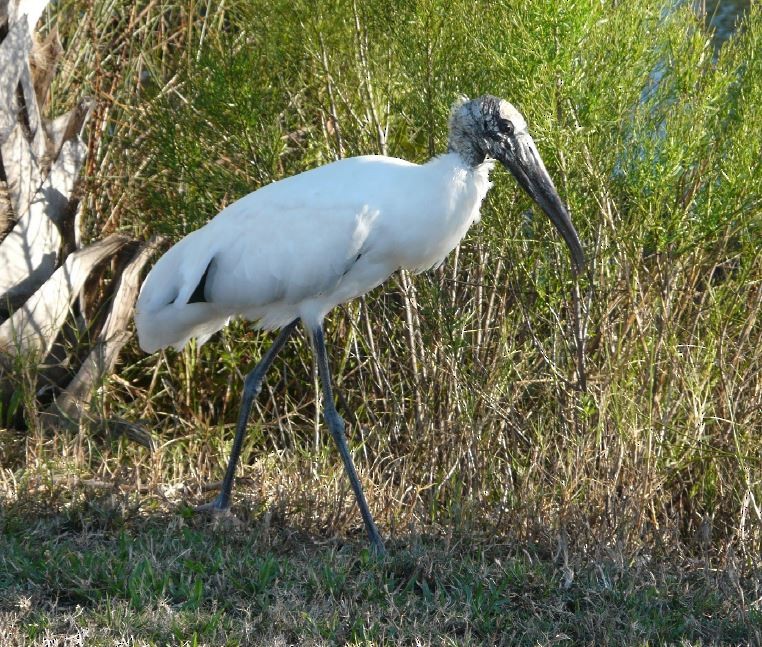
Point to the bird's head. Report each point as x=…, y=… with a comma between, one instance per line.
x=489, y=127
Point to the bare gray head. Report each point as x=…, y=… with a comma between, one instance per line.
x=477, y=125
x=489, y=127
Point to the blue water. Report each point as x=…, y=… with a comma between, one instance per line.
x=722, y=16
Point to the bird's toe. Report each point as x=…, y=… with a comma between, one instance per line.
x=215, y=506
x=220, y=514
x=377, y=547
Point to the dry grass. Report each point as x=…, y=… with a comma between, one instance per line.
x=99, y=545
x=142, y=569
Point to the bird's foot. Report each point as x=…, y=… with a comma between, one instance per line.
x=377, y=546
x=218, y=505
x=219, y=509
x=378, y=549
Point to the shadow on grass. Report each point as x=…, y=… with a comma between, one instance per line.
x=100, y=568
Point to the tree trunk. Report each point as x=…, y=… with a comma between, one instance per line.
x=49, y=282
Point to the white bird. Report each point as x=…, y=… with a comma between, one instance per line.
x=297, y=248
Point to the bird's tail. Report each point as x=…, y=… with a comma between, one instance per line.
x=174, y=325
x=165, y=314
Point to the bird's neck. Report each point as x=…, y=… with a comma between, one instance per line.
x=468, y=150
x=447, y=207
x=476, y=171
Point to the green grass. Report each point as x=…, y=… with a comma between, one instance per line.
x=115, y=566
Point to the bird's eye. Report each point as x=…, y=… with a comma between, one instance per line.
x=506, y=127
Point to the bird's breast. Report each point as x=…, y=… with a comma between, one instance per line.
x=444, y=215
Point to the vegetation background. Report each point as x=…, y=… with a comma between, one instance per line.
x=520, y=507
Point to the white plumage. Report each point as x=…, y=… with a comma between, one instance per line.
x=295, y=249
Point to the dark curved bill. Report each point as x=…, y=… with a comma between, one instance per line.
x=528, y=169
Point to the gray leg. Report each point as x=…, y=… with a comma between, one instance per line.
x=336, y=425
x=251, y=387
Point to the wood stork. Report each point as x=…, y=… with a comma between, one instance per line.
x=295, y=249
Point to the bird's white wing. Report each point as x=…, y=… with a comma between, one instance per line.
x=288, y=254
x=264, y=256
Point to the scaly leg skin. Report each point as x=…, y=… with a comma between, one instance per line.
x=251, y=388
x=336, y=425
